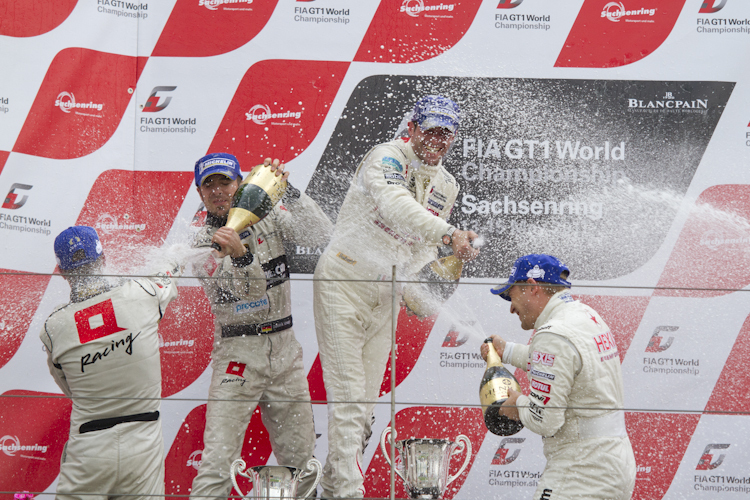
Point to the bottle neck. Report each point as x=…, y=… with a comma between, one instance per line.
x=493, y=358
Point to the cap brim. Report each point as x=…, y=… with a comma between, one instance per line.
x=502, y=290
x=433, y=121
x=207, y=174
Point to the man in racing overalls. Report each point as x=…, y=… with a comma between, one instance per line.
x=103, y=352
x=256, y=356
x=575, y=399
x=395, y=212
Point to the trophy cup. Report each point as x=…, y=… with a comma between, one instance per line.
x=275, y=481
x=424, y=463
x=255, y=198
x=438, y=281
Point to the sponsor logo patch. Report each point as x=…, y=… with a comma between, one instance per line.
x=543, y=358
x=235, y=368
x=536, y=373
x=392, y=163
x=543, y=399
x=346, y=258
x=540, y=386
x=251, y=306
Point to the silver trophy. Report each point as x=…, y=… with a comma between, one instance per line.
x=275, y=481
x=424, y=463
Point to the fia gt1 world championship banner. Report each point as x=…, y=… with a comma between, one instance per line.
x=614, y=135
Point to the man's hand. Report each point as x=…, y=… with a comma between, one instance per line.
x=461, y=244
x=230, y=243
x=499, y=344
x=276, y=166
x=508, y=408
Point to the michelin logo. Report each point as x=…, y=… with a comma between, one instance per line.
x=252, y=306
x=215, y=162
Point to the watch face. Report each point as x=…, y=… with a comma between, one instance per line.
x=446, y=239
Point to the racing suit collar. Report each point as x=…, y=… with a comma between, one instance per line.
x=84, y=289
x=555, y=302
x=215, y=220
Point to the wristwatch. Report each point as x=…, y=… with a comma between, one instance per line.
x=448, y=237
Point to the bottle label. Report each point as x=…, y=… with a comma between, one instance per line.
x=496, y=390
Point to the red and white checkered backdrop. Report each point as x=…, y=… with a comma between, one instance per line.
x=612, y=134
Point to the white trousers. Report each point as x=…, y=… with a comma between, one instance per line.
x=122, y=462
x=353, y=326
x=273, y=374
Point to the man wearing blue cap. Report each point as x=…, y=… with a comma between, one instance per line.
x=575, y=396
x=395, y=213
x=256, y=356
x=103, y=352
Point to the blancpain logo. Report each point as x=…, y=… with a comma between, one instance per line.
x=260, y=113
x=66, y=101
x=11, y=444
x=108, y=223
x=415, y=7
x=669, y=101
x=214, y=4
x=614, y=11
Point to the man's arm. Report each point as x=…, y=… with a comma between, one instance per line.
x=301, y=220
x=553, y=368
x=54, y=369
x=382, y=176
x=241, y=277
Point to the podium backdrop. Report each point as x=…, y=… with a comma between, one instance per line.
x=615, y=135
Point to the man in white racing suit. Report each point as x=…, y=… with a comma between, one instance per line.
x=256, y=358
x=575, y=399
x=395, y=212
x=103, y=352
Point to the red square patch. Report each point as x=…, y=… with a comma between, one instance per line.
x=236, y=368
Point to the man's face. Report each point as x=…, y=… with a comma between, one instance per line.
x=523, y=303
x=217, y=192
x=430, y=145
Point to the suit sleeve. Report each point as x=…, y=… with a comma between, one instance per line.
x=301, y=220
x=241, y=279
x=381, y=174
x=553, y=366
x=54, y=369
x=166, y=285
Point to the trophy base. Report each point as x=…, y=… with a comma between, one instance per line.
x=431, y=492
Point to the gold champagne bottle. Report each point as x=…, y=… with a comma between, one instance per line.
x=255, y=198
x=493, y=392
x=437, y=282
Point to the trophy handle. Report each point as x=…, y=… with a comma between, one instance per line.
x=387, y=455
x=312, y=465
x=463, y=444
x=238, y=467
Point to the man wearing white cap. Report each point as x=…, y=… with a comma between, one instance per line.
x=103, y=352
x=395, y=212
x=575, y=399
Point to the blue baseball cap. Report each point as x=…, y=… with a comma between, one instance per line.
x=436, y=111
x=543, y=268
x=77, y=246
x=217, y=163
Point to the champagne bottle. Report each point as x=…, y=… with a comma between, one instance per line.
x=437, y=282
x=255, y=198
x=493, y=392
